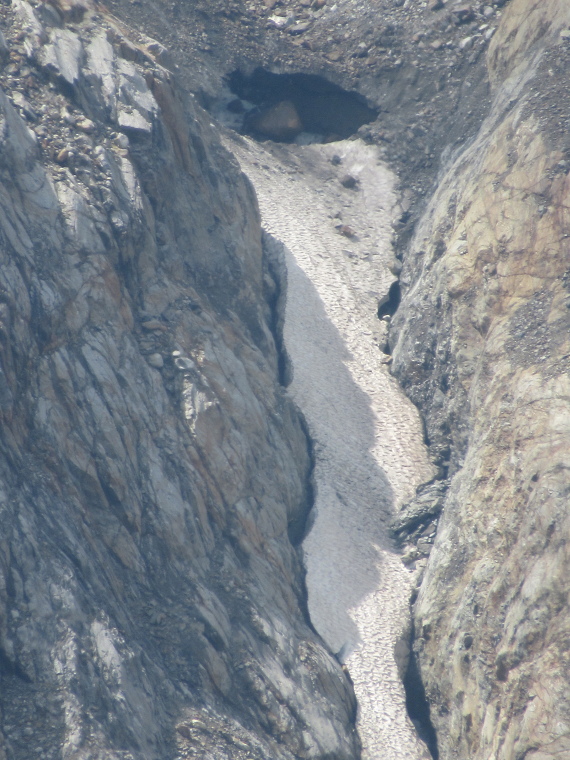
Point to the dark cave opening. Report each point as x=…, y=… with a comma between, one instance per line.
x=388, y=307
x=286, y=107
x=417, y=706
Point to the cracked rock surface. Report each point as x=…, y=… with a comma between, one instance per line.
x=151, y=603
x=482, y=346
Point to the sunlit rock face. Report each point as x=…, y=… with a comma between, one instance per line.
x=483, y=348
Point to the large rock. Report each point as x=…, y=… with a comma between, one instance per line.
x=278, y=122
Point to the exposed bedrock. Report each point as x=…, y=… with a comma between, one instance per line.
x=151, y=603
x=482, y=345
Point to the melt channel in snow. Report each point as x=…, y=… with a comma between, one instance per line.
x=368, y=446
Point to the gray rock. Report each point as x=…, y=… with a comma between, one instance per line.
x=428, y=503
x=147, y=556
x=63, y=55
x=155, y=360
x=4, y=50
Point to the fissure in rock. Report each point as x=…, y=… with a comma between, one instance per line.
x=417, y=705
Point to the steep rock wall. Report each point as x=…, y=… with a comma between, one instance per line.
x=482, y=345
x=151, y=603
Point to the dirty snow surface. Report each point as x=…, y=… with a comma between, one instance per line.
x=369, y=454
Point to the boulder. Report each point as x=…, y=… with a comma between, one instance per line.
x=278, y=122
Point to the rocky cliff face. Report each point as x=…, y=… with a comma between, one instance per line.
x=483, y=349
x=152, y=469
x=155, y=477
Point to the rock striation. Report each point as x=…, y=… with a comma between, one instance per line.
x=152, y=471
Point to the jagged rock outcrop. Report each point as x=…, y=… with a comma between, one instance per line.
x=151, y=468
x=482, y=345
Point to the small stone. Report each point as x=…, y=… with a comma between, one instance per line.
x=86, y=125
x=336, y=160
x=345, y=230
x=299, y=28
x=155, y=360
x=437, y=44
x=121, y=141
x=184, y=731
x=349, y=182
x=463, y=15
x=279, y=122
x=435, y=5
x=425, y=546
x=319, y=4
x=24, y=106
x=466, y=43
x=184, y=364
x=488, y=11
x=334, y=55
x=62, y=156
x=565, y=34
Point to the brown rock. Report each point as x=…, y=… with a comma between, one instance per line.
x=278, y=122
x=344, y=229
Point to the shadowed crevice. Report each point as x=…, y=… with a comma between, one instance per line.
x=388, y=307
x=417, y=704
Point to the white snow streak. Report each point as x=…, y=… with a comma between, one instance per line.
x=367, y=436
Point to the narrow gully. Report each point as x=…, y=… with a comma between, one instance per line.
x=330, y=207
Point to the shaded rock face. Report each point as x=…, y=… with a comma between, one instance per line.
x=482, y=345
x=151, y=603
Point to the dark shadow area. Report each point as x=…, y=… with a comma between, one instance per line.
x=286, y=105
x=417, y=705
x=388, y=307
